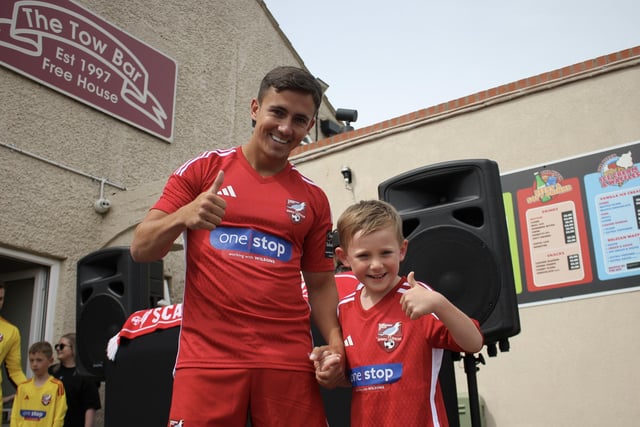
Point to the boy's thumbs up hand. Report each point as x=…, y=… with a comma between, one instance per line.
x=411, y=279
x=418, y=300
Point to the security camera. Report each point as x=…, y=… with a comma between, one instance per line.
x=347, y=115
x=102, y=205
x=346, y=174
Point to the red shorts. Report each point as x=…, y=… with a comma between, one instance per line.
x=226, y=397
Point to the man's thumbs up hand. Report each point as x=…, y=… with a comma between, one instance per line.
x=207, y=210
x=217, y=183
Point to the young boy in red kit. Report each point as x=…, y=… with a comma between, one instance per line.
x=395, y=329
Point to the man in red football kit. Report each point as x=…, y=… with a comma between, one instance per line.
x=252, y=223
x=395, y=329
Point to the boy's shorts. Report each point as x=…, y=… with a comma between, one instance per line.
x=227, y=397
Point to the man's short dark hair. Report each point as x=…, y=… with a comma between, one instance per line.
x=291, y=78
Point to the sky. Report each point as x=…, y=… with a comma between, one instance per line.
x=386, y=59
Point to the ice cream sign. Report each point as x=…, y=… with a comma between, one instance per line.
x=67, y=48
x=616, y=170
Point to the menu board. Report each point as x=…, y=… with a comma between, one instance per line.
x=574, y=226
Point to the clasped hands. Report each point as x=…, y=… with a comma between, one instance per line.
x=330, y=367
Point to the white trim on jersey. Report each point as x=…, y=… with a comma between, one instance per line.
x=436, y=364
x=221, y=153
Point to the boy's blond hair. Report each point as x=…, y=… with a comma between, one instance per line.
x=42, y=347
x=368, y=216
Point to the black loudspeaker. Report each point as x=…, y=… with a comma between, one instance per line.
x=453, y=216
x=111, y=286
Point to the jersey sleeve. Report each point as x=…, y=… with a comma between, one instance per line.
x=315, y=255
x=13, y=361
x=89, y=395
x=188, y=181
x=439, y=335
x=15, y=409
x=60, y=409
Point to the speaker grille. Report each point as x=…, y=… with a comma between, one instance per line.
x=111, y=286
x=457, y=264
x=101, y=318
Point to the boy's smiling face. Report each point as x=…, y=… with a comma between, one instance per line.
x=375, y=258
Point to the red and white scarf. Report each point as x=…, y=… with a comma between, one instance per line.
x=144, y=322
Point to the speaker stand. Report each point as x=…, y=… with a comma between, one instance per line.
x=470, y=368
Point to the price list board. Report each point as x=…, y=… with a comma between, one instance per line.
x=575, y=226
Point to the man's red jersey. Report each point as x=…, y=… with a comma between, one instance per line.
x=242, y=304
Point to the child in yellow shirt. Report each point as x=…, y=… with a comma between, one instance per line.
x=40, y=401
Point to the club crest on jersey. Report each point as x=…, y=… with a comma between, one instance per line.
x=389, y=335
x=296, y=210
x=46, y=399
x=174, y=423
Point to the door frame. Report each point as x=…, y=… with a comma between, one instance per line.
x=46, y=274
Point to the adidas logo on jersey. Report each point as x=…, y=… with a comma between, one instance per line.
x=348, y=342
x=227, y=191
